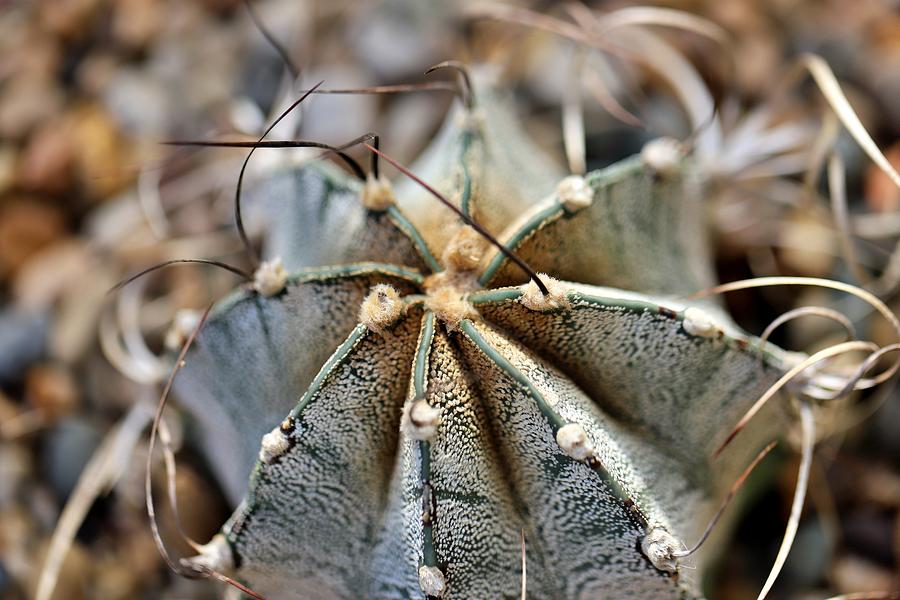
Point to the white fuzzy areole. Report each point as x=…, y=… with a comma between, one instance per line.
x=698, y=322
x=662, y=155
x=574, y=441
x=660, y=546
x=378, y=194
x=422, y=420
x=274, y=444
x=465, y=249
x=432, y=581
x=575, y=193
x=450, y=306
x=533, y=299
x=270, y=277
x=381, y=308
x=215, y=555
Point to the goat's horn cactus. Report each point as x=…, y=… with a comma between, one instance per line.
x=464, y=407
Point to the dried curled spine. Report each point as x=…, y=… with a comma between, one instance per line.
x=214, y=556
x=422, y=420
x=574, y=441
x=575, y=193
x=662, y=155
x=270, y=277
x=660, y=547
x=432, y=581
x=699, y=323
x=381, y=308
x=378, y=193
x=532, y=297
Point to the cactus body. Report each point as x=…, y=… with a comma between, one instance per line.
x=398, y=440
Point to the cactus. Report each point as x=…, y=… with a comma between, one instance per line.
x=410, y=408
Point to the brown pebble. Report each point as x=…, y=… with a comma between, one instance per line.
x=47, y=163
x=26, y=226
x=32, y=53
x=102, y=162
x=52, y=390
x=136, y=23
x=806, y=245
x=69, y=19
x=96, y=72
x=885, y=35
x=26, y=101
x=59, y=269
x=851, y=573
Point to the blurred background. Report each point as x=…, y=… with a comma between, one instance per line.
x=89, y=89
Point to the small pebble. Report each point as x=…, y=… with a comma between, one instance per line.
x=27, y=101
x=26, y=225
x=52, y=390
x=67, y=449
x=23, y=336
x=47, y=164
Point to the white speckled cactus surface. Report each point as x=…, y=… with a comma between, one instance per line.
x=397, y=407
